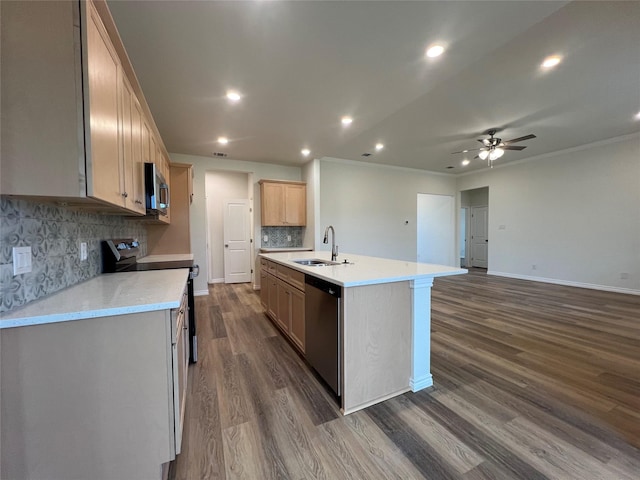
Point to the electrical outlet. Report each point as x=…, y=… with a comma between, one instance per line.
x=502, y=227
x=288, y=238
x=624, y=276
x=21, y=260
x=83, y=251
x=534, y=267
x=265, y=238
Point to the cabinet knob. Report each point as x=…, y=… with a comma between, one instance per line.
x=125, y=194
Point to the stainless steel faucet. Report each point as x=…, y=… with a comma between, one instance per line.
x=334, y=247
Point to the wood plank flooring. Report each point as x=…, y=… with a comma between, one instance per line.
x=532, y=381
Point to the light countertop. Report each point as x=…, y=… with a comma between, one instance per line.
x=362, y=270
x=105, y=295
x=176, y=257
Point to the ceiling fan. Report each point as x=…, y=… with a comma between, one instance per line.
x=493, y=148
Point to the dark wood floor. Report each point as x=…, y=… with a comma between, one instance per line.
x=532, y=381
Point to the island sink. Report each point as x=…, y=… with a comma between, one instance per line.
x=315, y=262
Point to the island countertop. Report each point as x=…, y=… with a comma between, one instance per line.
x=362, y=270
x=105, y=295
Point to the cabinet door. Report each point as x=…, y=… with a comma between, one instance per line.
x=126, y=180
x=297, y=318
x=137, y=194
x=295, y=205
x=272, y=306
x=264, y=289
x=103, y=68
x=272, y=204
x=284, y=306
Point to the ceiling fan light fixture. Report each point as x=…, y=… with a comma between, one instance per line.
x=496, y=153
x=483, y=154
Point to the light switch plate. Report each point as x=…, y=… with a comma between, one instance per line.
x=83, y=251
x=21, y=260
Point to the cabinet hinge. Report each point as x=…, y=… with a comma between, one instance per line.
x=251, y=240
x=252, y=270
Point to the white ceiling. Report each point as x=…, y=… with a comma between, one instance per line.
x=302, y=65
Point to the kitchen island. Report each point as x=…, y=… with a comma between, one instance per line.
x=385, y=328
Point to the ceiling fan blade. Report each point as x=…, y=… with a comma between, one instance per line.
x=513, y=147
x=520, y=139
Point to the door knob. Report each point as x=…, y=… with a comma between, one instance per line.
x=226, y=245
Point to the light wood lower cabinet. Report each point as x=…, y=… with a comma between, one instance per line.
x=282, y=296
x=100, y=398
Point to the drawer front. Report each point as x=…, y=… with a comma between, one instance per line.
x=271, y=267
x=296, y=279
x=291, y=276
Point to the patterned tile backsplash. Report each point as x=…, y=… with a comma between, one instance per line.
x=54, y=234
x=278, y=236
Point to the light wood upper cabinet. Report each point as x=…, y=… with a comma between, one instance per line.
x=105, y=170
x=73, y=114
x=283, y=203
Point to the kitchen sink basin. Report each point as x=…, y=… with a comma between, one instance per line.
x=315, y=262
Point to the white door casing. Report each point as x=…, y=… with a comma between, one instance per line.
x=479, y=236
x=237, y=241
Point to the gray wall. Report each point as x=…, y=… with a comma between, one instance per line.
x=54, y=234
x=575, y=215
x=369, y=204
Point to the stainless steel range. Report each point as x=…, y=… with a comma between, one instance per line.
x=120, y=255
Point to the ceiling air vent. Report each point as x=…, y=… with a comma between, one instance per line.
x=219, y=154
x=366, y=154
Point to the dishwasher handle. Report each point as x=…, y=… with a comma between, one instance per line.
x=327, y=287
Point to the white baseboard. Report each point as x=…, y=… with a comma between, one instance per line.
x=200, y=293
x=568, y=283
x=421, y=383
x=216, y=280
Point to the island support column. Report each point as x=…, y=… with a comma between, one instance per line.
x=421, y=334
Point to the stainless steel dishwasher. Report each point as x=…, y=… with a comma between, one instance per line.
x=323, y=329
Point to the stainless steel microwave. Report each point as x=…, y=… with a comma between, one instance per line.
x=156, y=190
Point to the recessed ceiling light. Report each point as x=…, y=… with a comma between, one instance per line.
x=551, y=61
x=346, y=121
x=379, y=146
x=435, y=51
x=223, y=140
x=233, y=96
x=465, y=162
x=465, y=151
x=305, y=152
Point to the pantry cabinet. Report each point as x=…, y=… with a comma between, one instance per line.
x=72, y=110
x=283, y=203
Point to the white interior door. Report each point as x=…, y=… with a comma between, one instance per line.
x=479, y=236
x=237, y=241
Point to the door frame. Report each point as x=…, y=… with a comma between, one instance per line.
x=250, y=195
